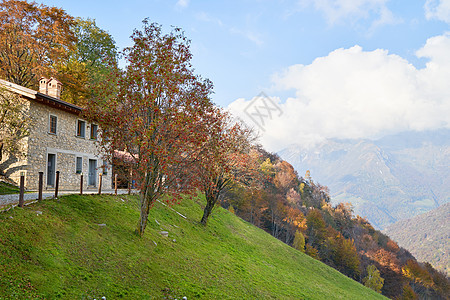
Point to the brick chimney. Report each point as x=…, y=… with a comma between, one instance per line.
x=51, y=87
x=54, y=88
x=43, y=85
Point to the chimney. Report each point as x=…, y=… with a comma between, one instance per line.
x=54, y=88
x=43, y=85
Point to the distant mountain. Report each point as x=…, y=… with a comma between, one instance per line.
x=426, y=236
x=390, y=179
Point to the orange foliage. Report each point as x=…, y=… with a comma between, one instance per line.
x=386, y=259
x=296, y=218
x=285, y=176
x=34, y=39
x=416, y=273
x=392, y=246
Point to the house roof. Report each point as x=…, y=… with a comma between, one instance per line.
x=41, y=98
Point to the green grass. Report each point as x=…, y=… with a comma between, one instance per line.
x=6, y=188
x=64, y=253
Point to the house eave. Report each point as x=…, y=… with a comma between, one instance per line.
x=41, y=98
x=59, y=104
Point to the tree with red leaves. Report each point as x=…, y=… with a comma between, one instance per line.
x=226, y=158
x=159, y=115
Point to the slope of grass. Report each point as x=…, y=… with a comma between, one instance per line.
x=83, y=247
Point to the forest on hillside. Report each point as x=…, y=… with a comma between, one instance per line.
x=297, y=211
x=427, y=236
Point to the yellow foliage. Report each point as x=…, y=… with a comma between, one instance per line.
x=373, y=279
x=299, y=241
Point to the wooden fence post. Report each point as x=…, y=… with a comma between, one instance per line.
x=100, y=183
x=22, y=190
x=115, y=184
x=57, y=184
x=40, y=185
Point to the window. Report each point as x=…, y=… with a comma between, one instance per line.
x=53, y=122
x=81, y=128
x=79, y=167
x=105, y=167
x=94, y=131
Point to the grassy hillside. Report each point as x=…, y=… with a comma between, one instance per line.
x=83, y=247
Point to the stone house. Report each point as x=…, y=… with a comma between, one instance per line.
x=59, y=140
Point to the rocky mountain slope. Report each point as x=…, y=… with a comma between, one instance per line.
x=390, y=179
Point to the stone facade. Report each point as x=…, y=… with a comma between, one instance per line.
x=59, y=140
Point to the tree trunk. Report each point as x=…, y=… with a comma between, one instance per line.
x=210, y=202
x=143, y=218
x=1, y=151
x=147, y=198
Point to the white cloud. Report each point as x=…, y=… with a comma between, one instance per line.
x=352, y=93
x=336, y=11
x=438, y=9
x=182, y=3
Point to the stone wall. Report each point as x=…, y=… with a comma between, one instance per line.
x=66, y=147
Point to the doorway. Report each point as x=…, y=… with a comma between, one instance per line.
x=92, y=172
x=51, y=167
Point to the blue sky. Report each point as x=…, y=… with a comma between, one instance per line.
x=279, y=47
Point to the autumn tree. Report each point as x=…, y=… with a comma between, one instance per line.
x=285, y=177
x=34, y=39
x=408, y=293
x=255, y=203
x=316, y=228
x=416, y=273
x=277, y=210
x=294, y=221
x=342, y=214
x=345, y=256
x=311, y=251
x=373, y=279
x=158, y=115
x=268, y=168
x=299, y=241
x=226, y=157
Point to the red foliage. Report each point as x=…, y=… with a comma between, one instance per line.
x=159, y=116
x=226, y=157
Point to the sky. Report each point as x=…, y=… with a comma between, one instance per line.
x=302, y=71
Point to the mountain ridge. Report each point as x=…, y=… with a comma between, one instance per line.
x=426, y=236
x=389, y=179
